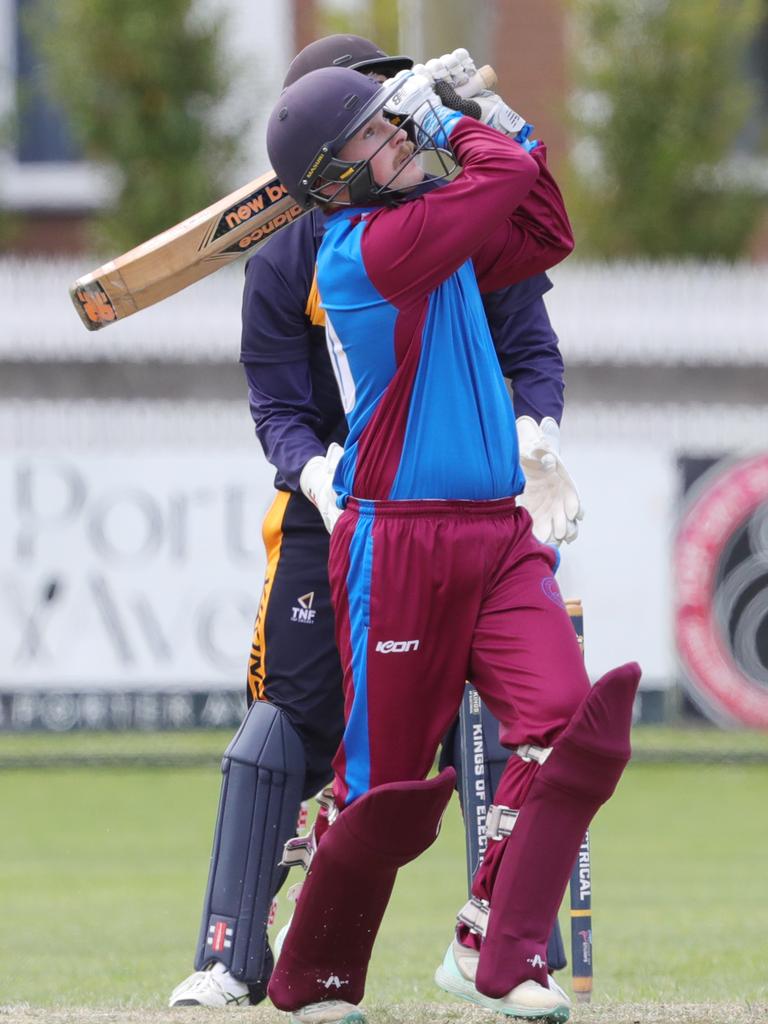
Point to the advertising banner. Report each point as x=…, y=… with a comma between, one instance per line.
x=721, y=588
x=129, y=573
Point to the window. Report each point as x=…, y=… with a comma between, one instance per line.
x=42, y=133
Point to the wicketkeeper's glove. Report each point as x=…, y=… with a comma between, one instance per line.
x=316, y=482
x=550, y=494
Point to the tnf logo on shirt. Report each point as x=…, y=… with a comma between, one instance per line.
x=397, y=646
x=305, y=612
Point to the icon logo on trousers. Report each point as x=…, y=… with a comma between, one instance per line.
x=535, y=961
x=304, y=612
x=397, y=646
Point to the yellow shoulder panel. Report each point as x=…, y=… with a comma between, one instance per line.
x=314, y=309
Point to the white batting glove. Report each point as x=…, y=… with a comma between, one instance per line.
x=497, y=114
x=416, y=98
x=316, y=483
x=457, y=69
x=550, y=494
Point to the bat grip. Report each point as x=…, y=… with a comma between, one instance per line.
x=451, y=97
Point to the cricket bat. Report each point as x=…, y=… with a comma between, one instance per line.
x=199, y=245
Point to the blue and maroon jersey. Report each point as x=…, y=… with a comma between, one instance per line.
x=292, y=390
x=428, y=410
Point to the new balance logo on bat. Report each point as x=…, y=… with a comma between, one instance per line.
x=397, y=646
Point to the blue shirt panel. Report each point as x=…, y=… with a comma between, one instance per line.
x=460, y=439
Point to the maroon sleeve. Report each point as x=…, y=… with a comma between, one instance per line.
x=508, y=255
x=410, y=249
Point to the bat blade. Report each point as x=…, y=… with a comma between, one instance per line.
x=184, y=253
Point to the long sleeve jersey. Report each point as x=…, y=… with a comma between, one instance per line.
x=428, y=410
x=293, y=396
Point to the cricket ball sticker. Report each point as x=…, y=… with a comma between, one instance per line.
x=720, y=566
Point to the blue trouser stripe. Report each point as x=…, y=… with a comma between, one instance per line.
x=356, y=737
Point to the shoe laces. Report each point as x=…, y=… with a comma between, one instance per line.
x=209, y=980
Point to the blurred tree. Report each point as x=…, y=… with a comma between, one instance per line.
x=374, y=19
x=662, y=97
x=140, y=82
x=432, y=27
x=8, y=221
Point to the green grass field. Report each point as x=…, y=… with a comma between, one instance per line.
x=102, y=873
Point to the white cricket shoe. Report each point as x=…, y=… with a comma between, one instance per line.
x=334, y=1011
x=213, y=986
x=530, y=1000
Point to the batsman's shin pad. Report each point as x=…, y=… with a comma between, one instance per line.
x=580, y=774
x=261, y=790
x=328, y=946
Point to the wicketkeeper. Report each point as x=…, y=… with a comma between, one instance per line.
x=436, y=575
x=282, y=754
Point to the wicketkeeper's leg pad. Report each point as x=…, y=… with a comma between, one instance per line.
x=342, y=903
x=579, y=775
x=261, y=791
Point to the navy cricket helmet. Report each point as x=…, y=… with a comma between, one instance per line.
x=315, y=118
x=310, y=124
x=343, y=51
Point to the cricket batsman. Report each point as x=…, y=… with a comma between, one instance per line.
x=282, y=753
x=436, y=575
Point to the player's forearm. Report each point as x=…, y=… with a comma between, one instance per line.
x=287, y=432
x=544, y=209
x=535, y=236
x=530, y=357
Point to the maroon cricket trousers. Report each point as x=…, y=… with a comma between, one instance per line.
x=428, y=594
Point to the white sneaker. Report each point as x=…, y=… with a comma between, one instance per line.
x=530, y=1000
x=213, y=986
x=335, y=1011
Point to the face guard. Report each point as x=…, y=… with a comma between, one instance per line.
x=356, y=177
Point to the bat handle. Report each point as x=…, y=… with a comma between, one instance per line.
x=483, y=78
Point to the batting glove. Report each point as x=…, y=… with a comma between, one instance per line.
x=454, y=71
x=497, y=114
x=316, y=483
x=550, y=494
x=416, y=99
